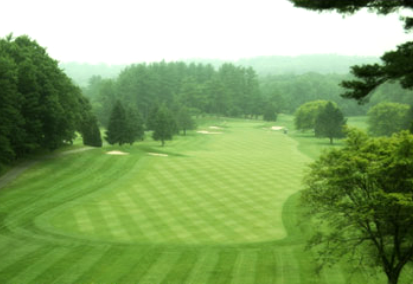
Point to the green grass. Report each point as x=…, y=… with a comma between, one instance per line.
x=219, y=209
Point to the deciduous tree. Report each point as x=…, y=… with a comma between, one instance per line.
x=306, y=115
x=362, y=194
x=384, y=119
x=330, y=122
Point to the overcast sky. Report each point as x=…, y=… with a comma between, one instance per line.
x=127, y=31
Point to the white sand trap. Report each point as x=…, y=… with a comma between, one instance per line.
x=208, y=132
x=158, y=154
x=214, y=127
x=120, y=153
x=277, y=127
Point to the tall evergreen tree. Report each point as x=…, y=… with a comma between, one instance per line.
x=184, y=120
x=134, y=126
x=90, y=132
x=117, y=126
x=164, y=125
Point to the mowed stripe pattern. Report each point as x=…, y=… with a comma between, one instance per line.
x=213, y=215
x=232, y=192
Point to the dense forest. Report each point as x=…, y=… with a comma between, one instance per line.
x=229, y=91
x=40, y=106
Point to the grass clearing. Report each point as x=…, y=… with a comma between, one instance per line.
x=216, y=209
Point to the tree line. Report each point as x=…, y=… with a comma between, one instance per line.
x=40, y=107
x=228, y=91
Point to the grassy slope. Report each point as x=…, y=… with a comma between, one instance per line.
x=211, y=212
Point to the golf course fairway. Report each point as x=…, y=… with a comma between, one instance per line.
x=216, y=206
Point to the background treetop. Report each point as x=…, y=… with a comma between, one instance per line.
x=351, y=6
x=396, y=64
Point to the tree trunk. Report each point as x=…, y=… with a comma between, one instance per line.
x=393, y=276
x=331, y=140
x=163, y=142
x=184, y=132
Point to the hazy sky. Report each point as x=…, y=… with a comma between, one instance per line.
x=126, y=31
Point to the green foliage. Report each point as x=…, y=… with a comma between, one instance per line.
x=184, y=120
x=288, y=92
x=125, y=125
x=117, y=131
x=330, y=122
x=270, y=113
x=396, y=65
x=134, y=126
x=229, y=90
x=362, y=194
x=164, y=125
x=384, y=119
x=305, y=116
x=40, y=107
x=351, y=6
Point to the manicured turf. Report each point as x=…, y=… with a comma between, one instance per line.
x=218, y=209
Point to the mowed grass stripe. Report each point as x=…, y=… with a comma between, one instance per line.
x=66, y=263
x=38, y=266
x=179, y=273
x=82, y=266
x=101, y=266
x=265, y=267
x=203, y=268
x=223, y=271
x=21, y=215
x=26, y=191
x=21, y=258
x=159, y=269
x=143, y=264
x=244, y=268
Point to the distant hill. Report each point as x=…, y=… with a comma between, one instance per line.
x=324, y=64
x=263, y=65
x=82, y=72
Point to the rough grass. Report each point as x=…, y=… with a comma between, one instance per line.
x=218, y=209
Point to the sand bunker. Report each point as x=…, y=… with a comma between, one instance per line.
x=117, y=153
x=214, y=127
x=208, y=132
x=158, y=154
x=277, y=127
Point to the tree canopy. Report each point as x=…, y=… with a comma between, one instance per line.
x=396, y=65
x=228, y=91
x=384, y=119
x=40, y=107
x=305, y=116
x=164, y=125
x=362, y=194
x=330, y=122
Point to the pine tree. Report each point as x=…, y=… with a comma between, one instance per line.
x=184, y=120
x=134, y=126
x=117, y=126
x=164, y=125
x=90, y=132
